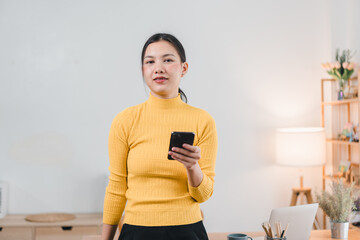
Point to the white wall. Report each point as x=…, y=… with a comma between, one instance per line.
x=68, y=67
x=345, y=19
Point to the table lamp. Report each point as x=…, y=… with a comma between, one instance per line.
x=300, y=147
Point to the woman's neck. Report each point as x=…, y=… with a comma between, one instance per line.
x=164, y=103
x=164, y=96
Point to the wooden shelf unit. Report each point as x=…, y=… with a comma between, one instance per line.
x=343, y=147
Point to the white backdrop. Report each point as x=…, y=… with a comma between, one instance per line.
x=68, y=67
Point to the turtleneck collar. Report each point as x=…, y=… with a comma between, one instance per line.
x=164, y=103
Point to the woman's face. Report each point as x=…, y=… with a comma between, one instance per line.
x=162, y=69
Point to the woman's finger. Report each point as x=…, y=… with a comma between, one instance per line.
x=191, y=148
x=186, y=152
x=185, y=163
x=178, y=156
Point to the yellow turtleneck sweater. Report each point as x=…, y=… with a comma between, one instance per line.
x=156, y=190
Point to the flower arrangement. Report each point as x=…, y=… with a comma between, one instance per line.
x=342, y=68
x=338, y=204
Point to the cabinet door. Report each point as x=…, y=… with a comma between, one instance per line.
x=12, y=233
x=60, y=233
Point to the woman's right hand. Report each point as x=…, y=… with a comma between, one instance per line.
x=108, y=231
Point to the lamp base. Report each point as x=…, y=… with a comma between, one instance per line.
x=300, y=191
x=307, y=192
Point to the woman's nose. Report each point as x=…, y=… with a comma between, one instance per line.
x=159, y=68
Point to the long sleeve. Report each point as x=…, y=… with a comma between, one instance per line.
x=208, y=145
x=115, y=199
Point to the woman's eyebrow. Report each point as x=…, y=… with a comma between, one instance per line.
x=169, y=54
x=165, y=55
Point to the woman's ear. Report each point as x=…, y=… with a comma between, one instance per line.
x=185, y=67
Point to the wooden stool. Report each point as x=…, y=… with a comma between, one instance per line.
x=307, y=192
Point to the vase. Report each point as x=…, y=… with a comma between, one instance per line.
x=341, y=88
x=347, y=90
x=339, y=230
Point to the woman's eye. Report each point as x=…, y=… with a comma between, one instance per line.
x=168, y=60
x=149, y=62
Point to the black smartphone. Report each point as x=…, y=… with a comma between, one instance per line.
x=179, y=138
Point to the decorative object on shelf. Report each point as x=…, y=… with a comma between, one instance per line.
x=50, y=217
x=343, y=168
x=341, y=70
x=338, y=205
x=356, y=133
x=300, y=147
x=357, y=204
x=349, y=172
x=354, y=175
x=349, y=133
x=4, y=191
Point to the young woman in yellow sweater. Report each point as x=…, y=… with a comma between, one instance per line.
x=160, y=197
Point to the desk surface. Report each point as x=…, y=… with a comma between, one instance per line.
x=315, y=235
x=18, y=220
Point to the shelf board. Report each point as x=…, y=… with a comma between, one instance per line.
x=341, y=102
x=334, y=80
x=335, y=141
x=331, y=177
x=337, y=177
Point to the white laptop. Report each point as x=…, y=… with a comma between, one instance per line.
x=300, y=219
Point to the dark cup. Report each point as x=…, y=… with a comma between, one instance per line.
x=238, y=236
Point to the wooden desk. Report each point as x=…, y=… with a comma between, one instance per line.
x=14, y=227
x=315, y=235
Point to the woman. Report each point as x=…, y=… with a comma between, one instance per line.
x=162, y=196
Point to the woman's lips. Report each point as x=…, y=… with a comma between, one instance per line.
x=160, y=80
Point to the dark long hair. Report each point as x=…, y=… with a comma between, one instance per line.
x=177, y=45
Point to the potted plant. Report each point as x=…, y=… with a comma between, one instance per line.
x=338, y=205
x=341, y=70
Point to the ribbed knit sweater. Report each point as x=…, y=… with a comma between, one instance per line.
x=153, y=190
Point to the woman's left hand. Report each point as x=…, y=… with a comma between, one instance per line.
x=188, y=155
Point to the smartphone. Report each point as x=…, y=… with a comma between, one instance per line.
x=179, y=138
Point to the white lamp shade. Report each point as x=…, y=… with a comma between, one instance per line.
x=300, y=147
